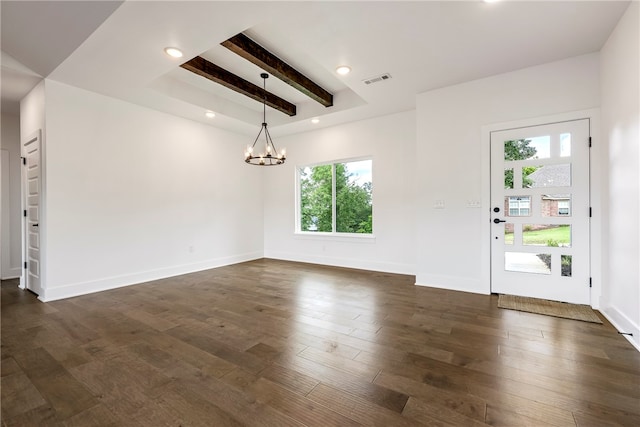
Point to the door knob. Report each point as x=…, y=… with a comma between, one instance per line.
x=498, y=221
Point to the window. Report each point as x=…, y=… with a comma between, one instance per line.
x=563, y=207
x=519, y=206
x=336, y=197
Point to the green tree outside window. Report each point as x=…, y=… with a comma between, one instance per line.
x=519, y=150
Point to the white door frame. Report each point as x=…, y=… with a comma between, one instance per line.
x=596, y=189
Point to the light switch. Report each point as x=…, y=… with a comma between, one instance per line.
x=438, y=204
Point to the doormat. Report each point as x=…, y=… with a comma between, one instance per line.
x=548, y=308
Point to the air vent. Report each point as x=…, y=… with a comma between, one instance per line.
x=377, y=79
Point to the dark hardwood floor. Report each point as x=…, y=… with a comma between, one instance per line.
x=273, y=343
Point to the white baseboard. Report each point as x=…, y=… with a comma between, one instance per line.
x=77, y=289
x=453, y=283
x=386, y=267
x=11, y=273
x=623, y=324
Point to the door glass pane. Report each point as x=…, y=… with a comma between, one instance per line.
x=565, y=261
x=528, y=148
x=527, y=263
x=528, y=182
x=546, y=176
x=517, y=206
x=554, y=205
x=565, y=145
x=542, y=145
x=316, y=212
x=508, y=178
x=551, y=235
x=508, y=233
x=353, y=197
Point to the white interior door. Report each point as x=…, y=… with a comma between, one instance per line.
x=32, y=190
x=540, y=212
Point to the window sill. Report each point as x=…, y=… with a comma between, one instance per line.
x=336, y=237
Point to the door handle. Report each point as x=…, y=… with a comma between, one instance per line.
x=35, y=225
x=498, y=221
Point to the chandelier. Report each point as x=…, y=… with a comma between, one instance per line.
x=270, y=156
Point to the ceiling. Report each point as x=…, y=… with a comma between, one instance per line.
x=116, y=48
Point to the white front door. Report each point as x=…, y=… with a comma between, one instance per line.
x=31, y=189
x=540, y=212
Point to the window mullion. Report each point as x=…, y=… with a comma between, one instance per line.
x=333, y=198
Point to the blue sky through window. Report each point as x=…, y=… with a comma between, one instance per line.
x=360, y=172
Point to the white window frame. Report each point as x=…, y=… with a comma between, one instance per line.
x=330, y=234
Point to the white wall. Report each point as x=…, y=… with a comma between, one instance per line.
x=452, y=162
x=621, y=122
x=134, y=195
x=32, y=116
x=10, y=249
x=390, y=140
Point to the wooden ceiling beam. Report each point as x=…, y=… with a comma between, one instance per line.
x=211, y=71
x=256, y=54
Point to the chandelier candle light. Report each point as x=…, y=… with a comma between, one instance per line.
x=270, y=156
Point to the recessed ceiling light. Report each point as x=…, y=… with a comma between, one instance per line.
x=210, y=114
x=174, y=52
x=343, y=70
x=315, y=120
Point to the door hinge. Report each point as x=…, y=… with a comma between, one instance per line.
x=590, y=211
x=25, y=265
x=24, y=160
x=24, y=213
x=589, y=142
x=590, y=282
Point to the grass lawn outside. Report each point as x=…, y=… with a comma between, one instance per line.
x=560, y=234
